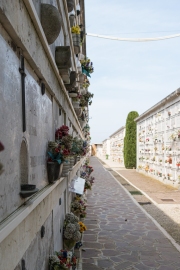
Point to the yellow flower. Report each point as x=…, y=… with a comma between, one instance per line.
x=75, y=29
x=82, y=226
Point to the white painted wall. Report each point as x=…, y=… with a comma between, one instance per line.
x=99, y=150
x=117, y=146
x=157, y=140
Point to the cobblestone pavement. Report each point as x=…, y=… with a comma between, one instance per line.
x=120, y=235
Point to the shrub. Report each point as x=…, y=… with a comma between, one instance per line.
x=130, y=141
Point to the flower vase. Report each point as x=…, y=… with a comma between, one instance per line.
x=75, y=160
x=81, y=78
x=53, y=169
x=71, y=160
x=75, y=104
x=78, y=111
x=60, y=171
x=65, y=168
x=83, y=91
x=76, y=39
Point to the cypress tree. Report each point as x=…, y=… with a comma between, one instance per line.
x=130, y=141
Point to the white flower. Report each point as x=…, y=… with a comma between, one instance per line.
x=71, y=228
x=76, y=236
x=68, y=235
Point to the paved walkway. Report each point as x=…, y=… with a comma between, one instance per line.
x=120, y=235
x=165, y=207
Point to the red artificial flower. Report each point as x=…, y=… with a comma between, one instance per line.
x=62, y=131
x=66, y=152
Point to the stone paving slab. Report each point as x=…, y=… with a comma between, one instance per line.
x=121, y=236
x=166, y=213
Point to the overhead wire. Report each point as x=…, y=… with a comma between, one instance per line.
x=133, y=39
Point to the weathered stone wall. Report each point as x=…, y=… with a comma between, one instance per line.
x=42, y=111
x=27, y=235
x=27, y=38
x=38, y=123
x=25, y=154
x=41, y=246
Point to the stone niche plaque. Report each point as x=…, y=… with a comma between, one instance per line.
x=51, y=22
x=71, y=20
x=63, y=57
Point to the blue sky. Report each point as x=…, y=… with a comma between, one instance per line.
x=130, y=76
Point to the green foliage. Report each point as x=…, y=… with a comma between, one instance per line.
x=86, y=99
x=130, y=141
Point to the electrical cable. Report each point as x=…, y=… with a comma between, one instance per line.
x=133, y=39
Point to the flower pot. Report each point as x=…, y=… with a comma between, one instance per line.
x=71, y=160
x=81, y=78
x=78, y=111
x=71, y=20
x=79, y=69
x=83, y=91
x=76, y=42
x=53, y=169
x=27, y=187
x=73, y=95
x=65, y=169
x=51, y=22
x=76, y=49
x=76, y=39
x=75, y=104
x=75, y=160
x=60, y=171
x=28, y=190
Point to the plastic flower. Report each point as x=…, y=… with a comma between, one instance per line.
x=76, y=236
x=75, y=29
x=68, y=235
x=71, y=228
